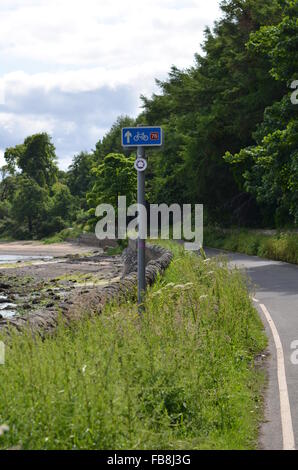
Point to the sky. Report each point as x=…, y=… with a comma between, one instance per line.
x=70, y=67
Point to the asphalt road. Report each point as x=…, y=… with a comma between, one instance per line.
x=275, y=290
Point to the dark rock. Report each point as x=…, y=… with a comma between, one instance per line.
x=26, y=306
x=4, y=286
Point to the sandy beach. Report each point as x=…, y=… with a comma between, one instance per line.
x=32, y=248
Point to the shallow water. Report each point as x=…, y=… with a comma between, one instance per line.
x=4, y=259
x=7, y=313
x=6, y=308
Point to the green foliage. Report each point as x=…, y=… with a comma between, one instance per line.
x=282, y=246
x=36, y=158
x=6, y=222
x=65, y=234
x=280, y=42
x=114, y=177
x=182, y=377
x=61, y=210
x=211, y=108
x=12, y=156
x=30, y=205
x=269, y=169
x=62, y=202
x=80, y=177
x=230, y=127
x=111, y=142
x=33, y=203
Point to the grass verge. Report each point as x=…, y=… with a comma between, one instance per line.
x=181, y=377
x=281, y=247
x=71, y=233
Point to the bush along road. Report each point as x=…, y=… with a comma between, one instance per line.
x=275, y=294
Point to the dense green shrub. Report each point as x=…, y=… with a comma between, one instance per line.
x=282, y=246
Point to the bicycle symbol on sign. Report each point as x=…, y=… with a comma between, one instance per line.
x=141, y=136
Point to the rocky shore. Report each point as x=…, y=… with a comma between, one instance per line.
x=48, y=282
x=71, y=286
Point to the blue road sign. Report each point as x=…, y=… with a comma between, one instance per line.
x=144, y=136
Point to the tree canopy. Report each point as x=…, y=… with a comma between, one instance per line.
x=231, y=137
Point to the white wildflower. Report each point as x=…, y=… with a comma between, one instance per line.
x=171, y=284
x=155, y=294
x=3, y=429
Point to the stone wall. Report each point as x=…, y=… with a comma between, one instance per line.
x=130, y=258
x=90, y=239
x=92, y=303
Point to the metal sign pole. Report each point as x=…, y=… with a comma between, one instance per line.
x=141, y=137
x=141, y=241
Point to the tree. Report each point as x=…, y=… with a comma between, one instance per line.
x=80, y=176
x=36, y=158
x=269, y=169
x=213, y=107
x=111, y=142
x=30, y=204
x=114, y=177
x=62, y=202
x=12, y=156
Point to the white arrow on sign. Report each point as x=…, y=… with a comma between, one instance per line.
x=128, y=136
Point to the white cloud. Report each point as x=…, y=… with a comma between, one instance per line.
x=113, y=33
x=2, y=93
x=61, y=50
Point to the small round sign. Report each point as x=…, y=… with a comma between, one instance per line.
x=141, y=164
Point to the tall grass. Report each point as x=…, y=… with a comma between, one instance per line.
x=180, y=377
x=282, y=246
x=67, y=233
